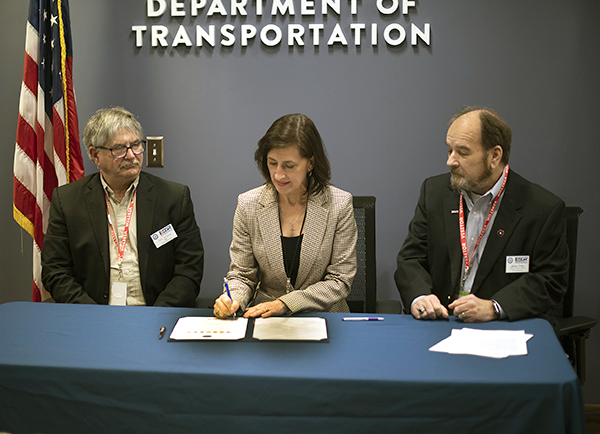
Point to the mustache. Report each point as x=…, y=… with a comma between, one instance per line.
x=127, y=164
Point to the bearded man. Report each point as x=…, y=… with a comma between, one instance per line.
x=484, y=244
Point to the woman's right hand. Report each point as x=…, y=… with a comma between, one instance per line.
x=224, y=308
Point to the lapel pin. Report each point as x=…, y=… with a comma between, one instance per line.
x=501, y=232
x=454, y=211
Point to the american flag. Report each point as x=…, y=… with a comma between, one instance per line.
x=47, y=152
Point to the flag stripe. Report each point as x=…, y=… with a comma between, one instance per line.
x=39, y=293
x=32, y=42
x=25, y=132
x=30, y=75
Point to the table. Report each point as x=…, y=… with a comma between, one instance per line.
x=81, y=368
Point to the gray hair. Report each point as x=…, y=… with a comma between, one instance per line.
x=105, y=124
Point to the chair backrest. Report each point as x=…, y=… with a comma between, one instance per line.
x=363, y=294
x=565, y=308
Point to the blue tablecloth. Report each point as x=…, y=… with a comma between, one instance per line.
x=87, y=369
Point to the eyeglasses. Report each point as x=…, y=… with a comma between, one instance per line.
x=120, y=151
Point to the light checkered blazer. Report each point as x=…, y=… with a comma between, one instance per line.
x=327, y=256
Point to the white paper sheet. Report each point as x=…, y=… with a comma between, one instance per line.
x=209, y=328
x=290, y=329
x=485, y=343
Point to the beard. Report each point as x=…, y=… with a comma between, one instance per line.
x=459, y=180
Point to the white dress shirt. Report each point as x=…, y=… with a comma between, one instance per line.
x=130, y=265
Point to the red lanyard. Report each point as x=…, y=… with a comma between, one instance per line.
x=121, y=248
x=463, y=232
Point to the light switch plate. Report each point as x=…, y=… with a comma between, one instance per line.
x=155, y=151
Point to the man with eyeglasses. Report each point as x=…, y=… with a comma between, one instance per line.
x=121, y=236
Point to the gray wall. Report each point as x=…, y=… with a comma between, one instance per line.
x=381, y=111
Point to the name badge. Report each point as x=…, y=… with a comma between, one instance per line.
x=517, y=264
x=163, y=236
x=118, y=294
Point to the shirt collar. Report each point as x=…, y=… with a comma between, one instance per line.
x=111, y=194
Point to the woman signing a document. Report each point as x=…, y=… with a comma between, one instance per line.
x=294, y=238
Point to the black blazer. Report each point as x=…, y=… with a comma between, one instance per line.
x=530, y=221
x=75, y=253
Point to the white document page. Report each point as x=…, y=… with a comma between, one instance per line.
x=290, y=329
x=209, y=328
x=485, y=343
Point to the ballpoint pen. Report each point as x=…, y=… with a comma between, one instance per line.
x=161, y=332
x=362, y=318
x=228, y=293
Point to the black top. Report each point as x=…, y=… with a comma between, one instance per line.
x=291, y=256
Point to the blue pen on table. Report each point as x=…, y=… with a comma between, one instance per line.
x=228, y=293
x=362, y=318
